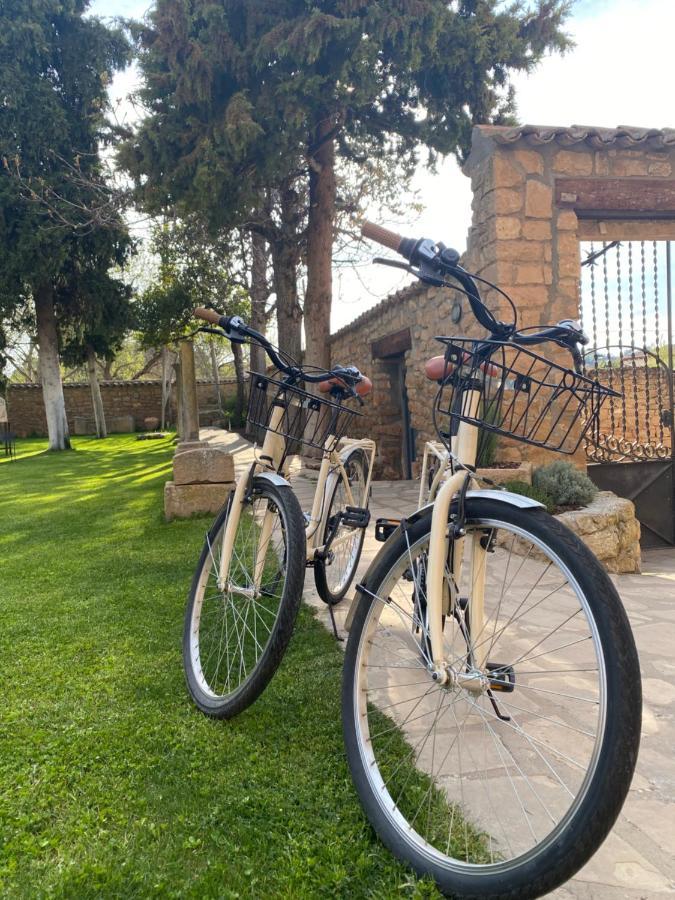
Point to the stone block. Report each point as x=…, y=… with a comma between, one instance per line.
x=531, y=161
x=538, y=200
x=181, y=501
x=504, y=173
x=83, y=425
x=623, y=168
x=507, y=201
x=203, y=465
x=519, y=251
x=507, y=227
x=569, y=162
x=121, y=424
x=531, y=273
x=151, y=423
x=661, y=169
x=182, y=446
x=500, y=476
x=536, y=230
x=567, y=220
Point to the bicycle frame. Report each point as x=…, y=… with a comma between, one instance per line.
x=272, y=459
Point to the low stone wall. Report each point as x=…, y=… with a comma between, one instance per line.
x=136, y=399
x=609, y=528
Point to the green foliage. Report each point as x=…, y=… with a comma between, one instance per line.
x=111, y=783
x=565, y=484
x=235, y=91
x=529, y=490
x=488, y=440
x=55, y=66
x=230, y=408
x=194, y=270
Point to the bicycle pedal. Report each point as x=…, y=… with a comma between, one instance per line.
x=384, y=528
x=356, y=517
x=504, y=680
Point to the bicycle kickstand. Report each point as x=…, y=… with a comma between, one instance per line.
x=333, y=623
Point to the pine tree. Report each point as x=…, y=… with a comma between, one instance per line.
x=54, y=69
x=242, y=95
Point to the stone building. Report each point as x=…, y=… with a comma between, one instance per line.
x=538, y=192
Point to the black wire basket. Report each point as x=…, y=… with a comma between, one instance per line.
x=308, y=420
x=522, y=396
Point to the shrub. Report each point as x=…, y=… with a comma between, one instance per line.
x=529, y=490
x=487, y=440
x=565, y=484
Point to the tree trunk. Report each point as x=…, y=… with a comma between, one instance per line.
x=285, y=258
x=50, y=373
x=189, y=392
x=96, y=400
x=180, y=429
x=239, y=371
x=289, y=311
x=166, y=379
x=319, y=295
x=259, y=295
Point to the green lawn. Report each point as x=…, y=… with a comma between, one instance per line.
x=111, y=783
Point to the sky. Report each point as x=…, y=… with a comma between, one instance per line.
x=619, y=73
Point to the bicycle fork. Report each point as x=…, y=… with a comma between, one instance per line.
x=442, y=538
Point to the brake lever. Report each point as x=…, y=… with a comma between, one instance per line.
x=393, y=264
x=204, y=329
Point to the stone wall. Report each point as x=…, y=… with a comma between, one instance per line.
x=426, y=312
x=531, y=190
x=609, y=528
x=121, y=399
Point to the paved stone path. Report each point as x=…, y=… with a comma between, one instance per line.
x=637, y=861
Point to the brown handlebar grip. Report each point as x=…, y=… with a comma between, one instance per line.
x=209, y=315
x=381, y=235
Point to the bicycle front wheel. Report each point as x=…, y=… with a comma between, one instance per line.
x=334, y=575
x=504, y=781
x=239, y=620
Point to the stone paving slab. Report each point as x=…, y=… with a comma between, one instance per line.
x=637, y=861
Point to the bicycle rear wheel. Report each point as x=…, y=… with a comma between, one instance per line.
x=238, y=623
x=505, y=781
x=334, y=575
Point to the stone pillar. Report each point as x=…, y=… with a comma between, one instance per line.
x=189, y=404
x=522, y=243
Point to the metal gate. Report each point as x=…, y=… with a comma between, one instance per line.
x=627, y=310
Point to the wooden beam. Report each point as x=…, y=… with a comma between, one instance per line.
x=611, y=198
x=392, y=344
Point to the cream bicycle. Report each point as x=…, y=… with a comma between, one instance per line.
x=247, y=587
x=491, y=693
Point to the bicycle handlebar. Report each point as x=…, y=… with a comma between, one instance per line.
x=435, y=260
x=236, y=329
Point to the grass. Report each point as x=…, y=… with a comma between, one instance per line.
x=111, y=783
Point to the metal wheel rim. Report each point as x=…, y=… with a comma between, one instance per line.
x=197, y=610
x=348, y=558
x=371, y=767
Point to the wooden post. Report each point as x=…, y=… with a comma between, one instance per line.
x=96, y=400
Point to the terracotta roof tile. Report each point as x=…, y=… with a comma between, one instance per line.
x=624, y=137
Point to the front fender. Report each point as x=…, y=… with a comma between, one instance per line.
x=273, y=478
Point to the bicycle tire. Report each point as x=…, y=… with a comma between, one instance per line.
x=330, y=592
x=559, y=854
x=283, y=571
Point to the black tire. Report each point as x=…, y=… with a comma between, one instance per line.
x=569, y=845
x=262, y=641
x=356, y=464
